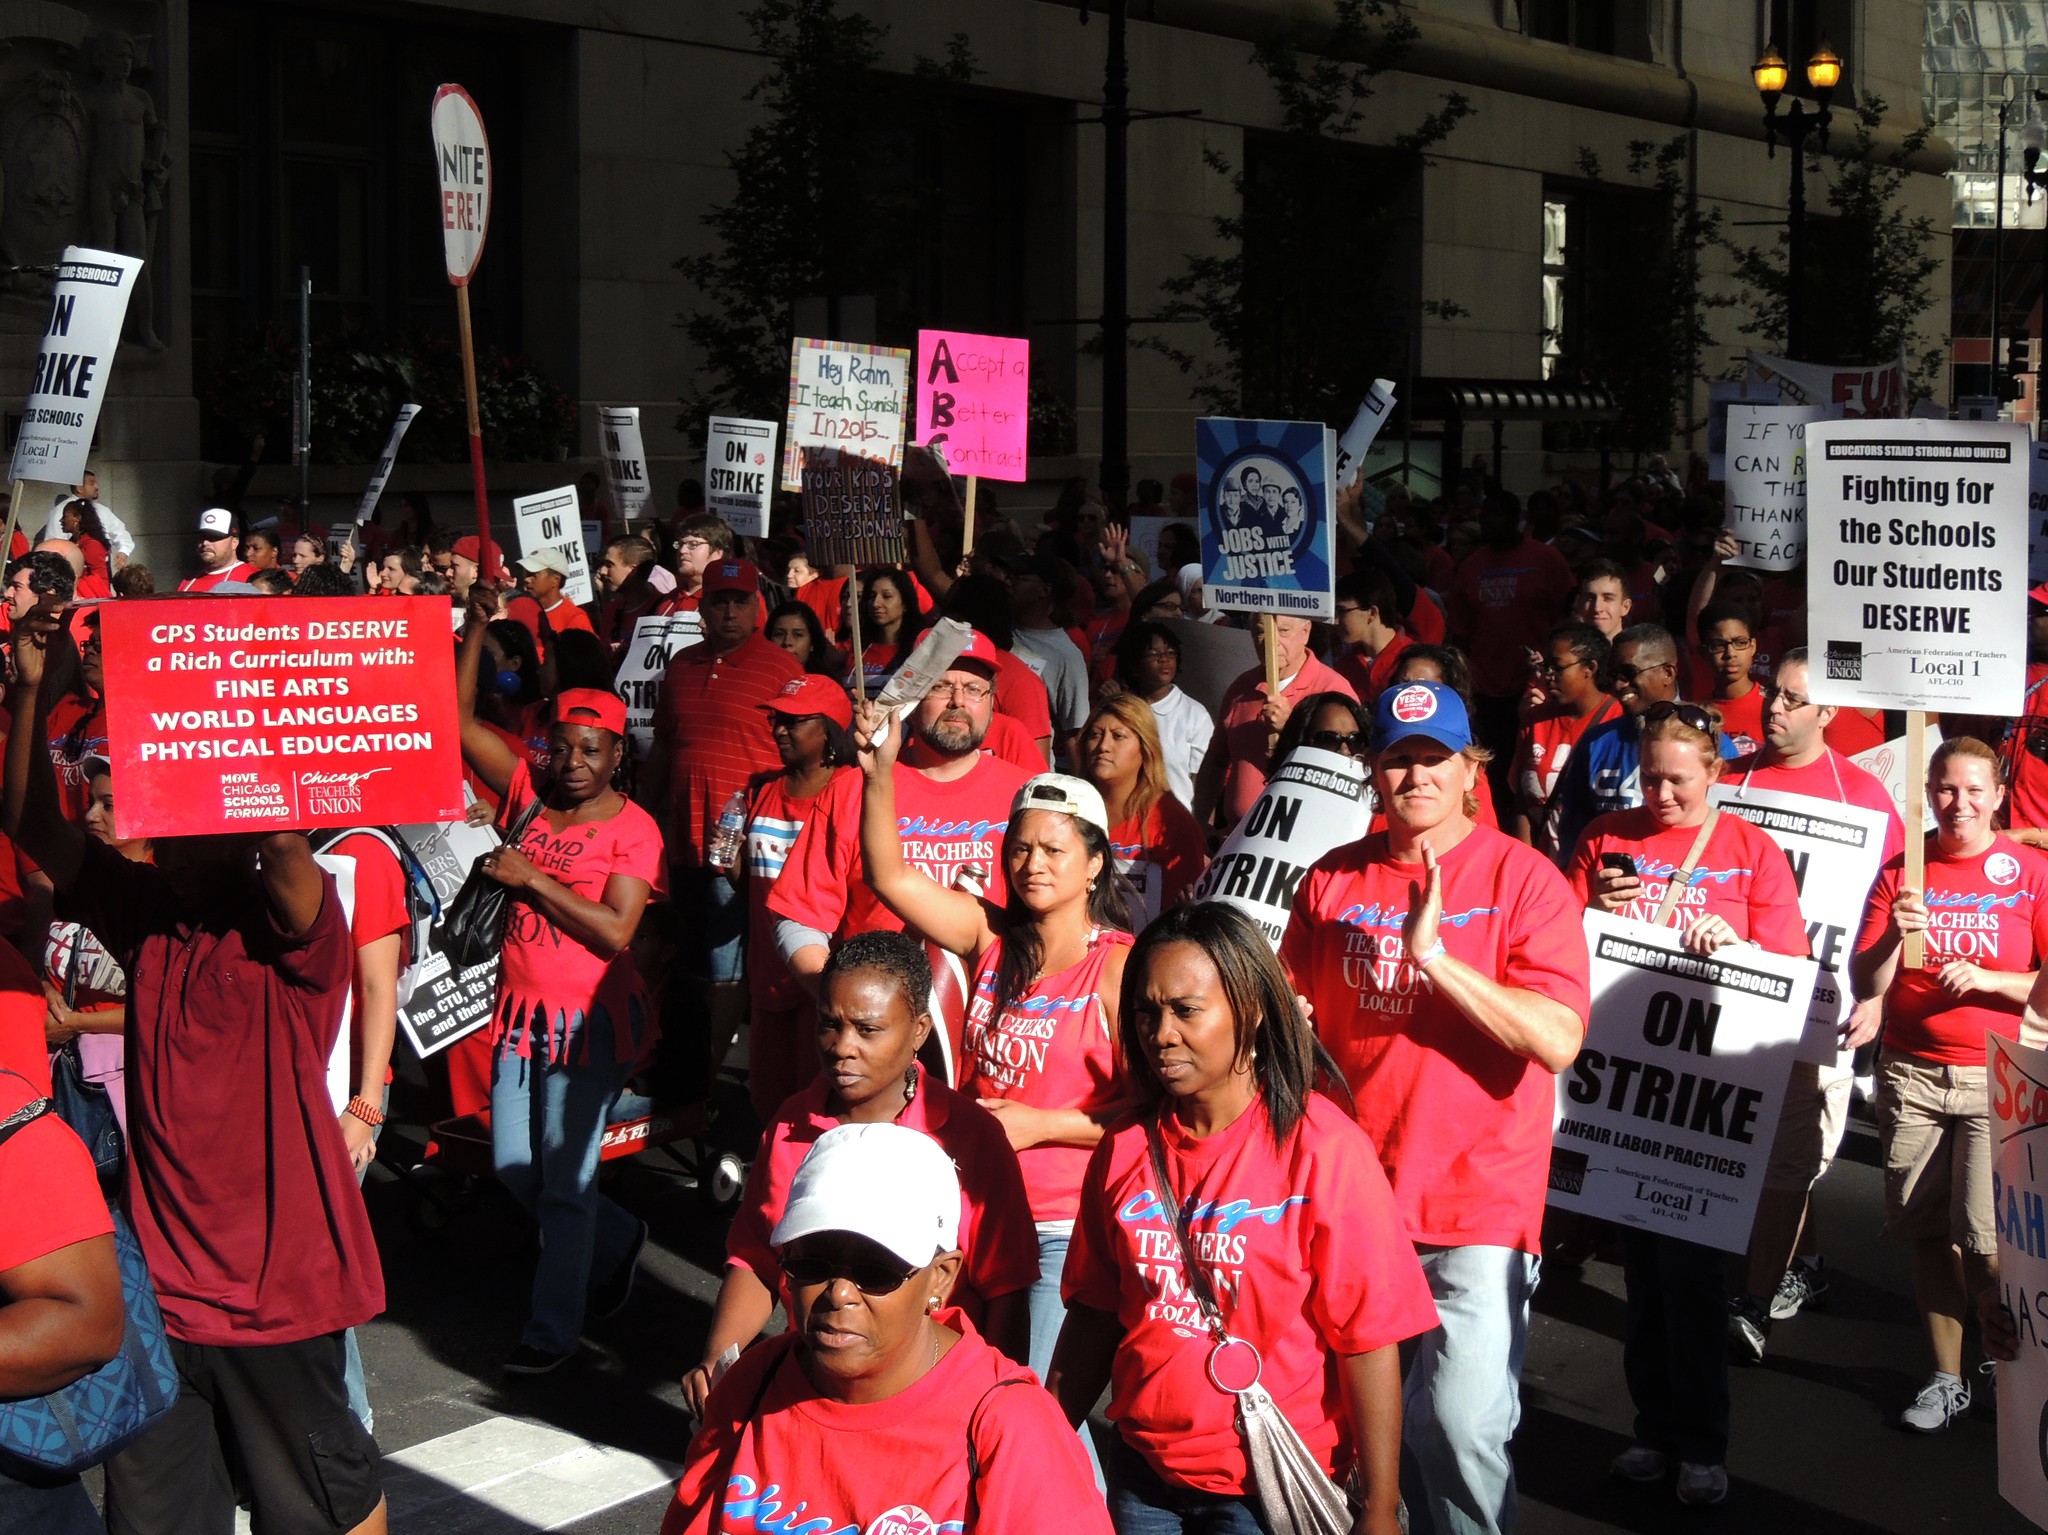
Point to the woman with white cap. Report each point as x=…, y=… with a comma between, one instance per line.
x=881, y=1409
x=1048, y=946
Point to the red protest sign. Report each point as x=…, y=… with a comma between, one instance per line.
x=252, y=714
x=974, y=401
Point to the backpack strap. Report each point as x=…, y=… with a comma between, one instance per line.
x=23, y=1117
x=973, y=1451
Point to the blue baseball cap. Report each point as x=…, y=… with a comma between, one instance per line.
x=1421, y=709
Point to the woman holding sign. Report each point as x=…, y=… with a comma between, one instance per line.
x=573, y=1014
x=1049, y=960
x=1676, y=861
x=1982, y=913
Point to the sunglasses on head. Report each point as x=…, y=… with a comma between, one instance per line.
x=870, y=1276
x=1689, y=714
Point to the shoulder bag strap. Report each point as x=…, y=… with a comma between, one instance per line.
x=1683, y=877
x=739, y=1439
x=23, y=1117
x=973, y=1450
x=1177, y=1219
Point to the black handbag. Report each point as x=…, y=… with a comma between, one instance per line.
x=473, y=928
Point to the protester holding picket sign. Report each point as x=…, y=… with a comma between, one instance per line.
x=1677, y=861
x=1052, y=954
x=1239, y=1110
x=573, y=1015
x=1159, y=849
x=1983, y=916
x=1234, y=769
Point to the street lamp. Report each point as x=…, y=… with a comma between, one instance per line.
x=1823, y=74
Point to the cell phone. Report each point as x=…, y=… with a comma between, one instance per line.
x=1620, y=863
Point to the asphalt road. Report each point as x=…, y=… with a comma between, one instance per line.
x=1813, y=1448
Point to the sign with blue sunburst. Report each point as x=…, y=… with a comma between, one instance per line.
x=1265, y=514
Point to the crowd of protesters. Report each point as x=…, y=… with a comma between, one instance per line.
x=1029, y=1114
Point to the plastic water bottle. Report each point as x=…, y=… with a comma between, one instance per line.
x=723, y=849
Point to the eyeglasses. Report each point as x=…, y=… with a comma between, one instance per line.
x=1351, y=743
x=1791, y=701
x=1630, y=673
x=693, y=543
x=1162, y=653
x=1559, y=668
x=1689, y=714
x=869, y=1276
x=963, y=692
x=1726, y=647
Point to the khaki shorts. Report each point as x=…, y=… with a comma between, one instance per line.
x=1935, y=1122
x=1810, y=1127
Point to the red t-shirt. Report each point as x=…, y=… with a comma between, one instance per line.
x=1742, y=875
x=944, y=827
x=1831, y=776
x=24, y=1046
x=710, y=723
x=1305, y=1252
x=1503, y=602
x=1462, y=1124
x=800, y=1464
x=1051, y=1049
x=996, y=1235
x=1013, y=743
x=1022, y=696
x=1425, y=619
x=380, y=910
x=208, y=580
x=1245, y=733
x=1541, y=751
x=1742, y=719
x=1991, y=910
x=565, y=615
x=1162, y=854
x=774, y=819
x=1857, y=730
x=76, y=729
x=47, y=1182
x=2025, y=773
x=549, y=983
x=239, y=1182
x=1369, y=675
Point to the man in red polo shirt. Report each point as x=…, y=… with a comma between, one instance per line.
x=710, y=737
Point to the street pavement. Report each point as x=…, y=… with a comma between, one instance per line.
x=475, y=1452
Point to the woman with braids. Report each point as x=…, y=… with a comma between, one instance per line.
x=572, y=1014
x=1243, y=1146
x=872, y=1017
x=1048, y=961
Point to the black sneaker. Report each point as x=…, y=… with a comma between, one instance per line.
x=609, y=1298
x=528, y=1360
x=1749, y=1330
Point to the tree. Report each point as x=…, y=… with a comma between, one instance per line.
x=1869, y=263
x=1304, y=299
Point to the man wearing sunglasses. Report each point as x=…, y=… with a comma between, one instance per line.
x=1604, y=773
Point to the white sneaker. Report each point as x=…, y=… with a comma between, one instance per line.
x=1702, y=1486
x=1805, y=1283
x=1639, y=1463
x=1941, y=1401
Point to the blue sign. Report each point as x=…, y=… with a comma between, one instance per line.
x=1264, y=490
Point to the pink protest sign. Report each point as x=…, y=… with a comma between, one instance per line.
x=974, y=401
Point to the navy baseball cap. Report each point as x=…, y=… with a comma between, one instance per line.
x=1421, y=709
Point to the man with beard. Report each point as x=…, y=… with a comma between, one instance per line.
x=952, y=806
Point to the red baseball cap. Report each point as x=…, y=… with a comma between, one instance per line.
x=980, y=650
x=812, y=694
x=469, y=549
x=591, y=706
x=730, y=576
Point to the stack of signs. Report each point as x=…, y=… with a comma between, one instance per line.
x=844, y=396
x=657, y=640
x=974, y=402
x=1917, y=564
x=447, y=1003
x=1264, y=490
x=1316, y=801
x=552, y=519
x=2019, y=1201
x=1665, y=1120
x=1835, y=850
x=625, y=461
x=739, y=472
x=87, y=306
x=1766, y=484
x=850, y=515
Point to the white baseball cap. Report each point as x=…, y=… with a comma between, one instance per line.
x=545, y=559
x=886, y=1182
x=216, y=522
x=1065, y=793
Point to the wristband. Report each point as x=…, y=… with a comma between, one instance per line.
x=373, y=1116
x=1434, y=952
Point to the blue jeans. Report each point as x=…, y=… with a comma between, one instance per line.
x=547, y=1127
x=1048, y=1313
x=1461, y=1392
x=352, y=1354
x=1142, y=1502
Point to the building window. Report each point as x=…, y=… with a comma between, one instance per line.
x=1558, y=310
x=1797, y=28
x=1629, y=29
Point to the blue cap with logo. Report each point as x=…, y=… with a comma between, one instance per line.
x=1421, y=709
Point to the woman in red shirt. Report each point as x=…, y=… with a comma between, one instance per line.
x=872, y=1019
x=882, y=1409
x=572, y=1014
x=1983, y=915
x=75, y=681
x=890, y=624
x=1159, y=848
x=1734, y=886
x=81, y=523
x=1039, y=1049
x=1287, y=1208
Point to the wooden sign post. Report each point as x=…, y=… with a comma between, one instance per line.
x=1914, y=954
x=462, y=161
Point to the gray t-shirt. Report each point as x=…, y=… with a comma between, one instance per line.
x=1063, y=670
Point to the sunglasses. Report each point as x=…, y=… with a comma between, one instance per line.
x=1350, y=742
x=869, y=1276
x=1689, y=714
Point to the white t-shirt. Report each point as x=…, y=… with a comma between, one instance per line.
x=1184, y=731
x=119, y=539
x=1063, y=670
